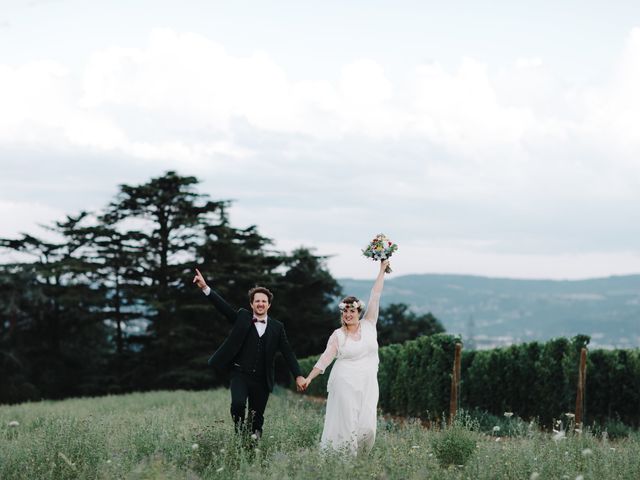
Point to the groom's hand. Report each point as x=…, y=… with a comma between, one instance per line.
x=199, y=280
x=301, y=384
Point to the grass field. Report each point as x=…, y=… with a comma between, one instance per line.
x=189, y=435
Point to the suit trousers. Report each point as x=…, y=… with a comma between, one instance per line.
x=246, y=386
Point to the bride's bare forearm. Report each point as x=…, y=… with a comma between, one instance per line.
x=313, y=374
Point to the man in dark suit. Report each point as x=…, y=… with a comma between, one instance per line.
x=249, y=353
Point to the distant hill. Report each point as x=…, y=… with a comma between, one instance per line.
x=498, y=311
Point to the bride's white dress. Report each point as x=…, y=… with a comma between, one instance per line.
x=350, y=421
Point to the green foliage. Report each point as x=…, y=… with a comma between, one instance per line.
x=456, y=443
x=533, y=381
x=189, y=435
x=111, y=307
x=397, y=324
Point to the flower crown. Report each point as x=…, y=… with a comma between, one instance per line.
x=358, y=304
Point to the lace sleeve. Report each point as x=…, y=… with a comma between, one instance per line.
x=329, y=353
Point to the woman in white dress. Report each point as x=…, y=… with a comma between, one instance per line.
x=350, y=421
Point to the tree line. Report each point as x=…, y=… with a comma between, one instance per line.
x=533, y=381
x=108, y=307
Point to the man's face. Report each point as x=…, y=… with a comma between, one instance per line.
x=260, y=304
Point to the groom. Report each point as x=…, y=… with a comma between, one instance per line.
x=249, y=352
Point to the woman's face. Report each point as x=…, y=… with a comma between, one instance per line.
x=350, y=315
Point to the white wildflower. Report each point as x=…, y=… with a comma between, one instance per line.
x=66, y=460
x=534, y=476
x=415, y=446
x=570, y=415
x=586, y=452
x=271, y=436
x=496, y=428
x=498, y=439
x=558, y=435
x=580, y=477
x=220, y=469
x=14, y=423
x=194, y=446
x=508, y=414
x=222, y=450
x=254, y=436
x=108, y=461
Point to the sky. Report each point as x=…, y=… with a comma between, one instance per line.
x=497, y=140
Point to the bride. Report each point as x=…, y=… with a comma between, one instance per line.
x=350, y=421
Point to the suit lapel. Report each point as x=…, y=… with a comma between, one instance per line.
x=271, y=335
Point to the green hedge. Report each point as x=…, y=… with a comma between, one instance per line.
x=533, y=380
x=414, y=377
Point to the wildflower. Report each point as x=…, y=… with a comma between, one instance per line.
x=586, y=452
x=222, y=450
x=578, y=430
x=194, y=446
x=498, y=439
x=534, y=476
x=254, y=436
x=415, y=446
x=508, y=414
x=580, y=477
x=108, y=461
x=496, y=428
x=558, y=435
x=271, y=436
x=612, y=449
x=14, y=423
x=220, y=469
x=66, y=460
x=570, y=415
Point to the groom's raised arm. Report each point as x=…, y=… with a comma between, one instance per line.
x=215, y=298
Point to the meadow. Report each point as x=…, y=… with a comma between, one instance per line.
x=189, y=435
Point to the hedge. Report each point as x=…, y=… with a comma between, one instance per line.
x=533, y=380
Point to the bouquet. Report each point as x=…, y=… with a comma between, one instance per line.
x=380, y=248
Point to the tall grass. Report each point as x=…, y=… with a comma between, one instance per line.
x=189, y=435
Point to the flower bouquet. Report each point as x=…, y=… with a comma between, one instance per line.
x=380, y=248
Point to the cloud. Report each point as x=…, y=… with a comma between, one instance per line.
x=515, y=161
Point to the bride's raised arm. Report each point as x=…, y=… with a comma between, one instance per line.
x=373, y=307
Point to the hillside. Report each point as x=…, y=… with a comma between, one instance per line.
x=498, y=311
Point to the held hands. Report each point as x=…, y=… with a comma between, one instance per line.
x=301, y=383
x=199, y=280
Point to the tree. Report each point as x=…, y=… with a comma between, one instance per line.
x=306, y=301
x=397, y=324
x=59, y=340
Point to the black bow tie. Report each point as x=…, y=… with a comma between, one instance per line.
x=255, y=320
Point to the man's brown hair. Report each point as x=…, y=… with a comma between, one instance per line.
x=257, y=289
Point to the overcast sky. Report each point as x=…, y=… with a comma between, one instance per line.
x=498, y=139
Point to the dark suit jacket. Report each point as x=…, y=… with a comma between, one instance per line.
x=275, y=339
